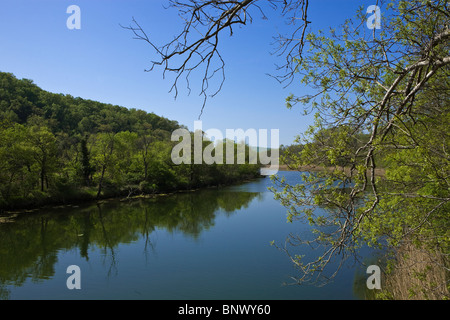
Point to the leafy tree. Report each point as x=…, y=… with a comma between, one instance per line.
x=103, y=145
x=87, y=169
x=15, y=162
x=43, y=148
x=392, y=86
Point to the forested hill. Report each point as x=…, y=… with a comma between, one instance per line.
x=23, y=102
x=55, y=148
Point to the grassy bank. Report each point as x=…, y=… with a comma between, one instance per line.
x=417, y=274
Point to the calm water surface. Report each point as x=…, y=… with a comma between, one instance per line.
x=210, y=244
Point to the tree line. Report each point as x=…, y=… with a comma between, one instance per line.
x=57, y=148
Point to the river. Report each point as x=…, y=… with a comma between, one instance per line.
x=207, y=244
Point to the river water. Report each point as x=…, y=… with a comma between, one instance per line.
x=207, y=244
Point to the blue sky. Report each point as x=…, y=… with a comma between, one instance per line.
x=102, y=62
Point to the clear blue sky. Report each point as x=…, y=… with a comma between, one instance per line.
x=102, y=62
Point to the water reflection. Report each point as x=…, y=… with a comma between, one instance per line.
x=29, y=245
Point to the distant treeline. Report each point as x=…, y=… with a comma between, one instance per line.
x=324, y=146
x=55, y=148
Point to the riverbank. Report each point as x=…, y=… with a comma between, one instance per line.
x=418, y=274
x=88, y=196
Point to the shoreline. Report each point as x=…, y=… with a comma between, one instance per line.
x=85, y=198
x=8, y=214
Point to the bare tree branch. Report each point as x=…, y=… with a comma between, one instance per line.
x=196, y=46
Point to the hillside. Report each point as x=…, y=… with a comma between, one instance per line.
x=56, y=148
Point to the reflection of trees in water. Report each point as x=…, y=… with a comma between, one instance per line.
x=4, y=292
x=146, y=231
x=29, y=246
x=107, y=243
x=27, y=251
x=360, y=290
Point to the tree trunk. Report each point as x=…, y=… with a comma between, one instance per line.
x=42, y=178
x=100, y=183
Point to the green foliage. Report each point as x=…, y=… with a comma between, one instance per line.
x=57, y=148
x=381, y=102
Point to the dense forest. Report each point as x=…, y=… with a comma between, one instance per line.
x=56, y=148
